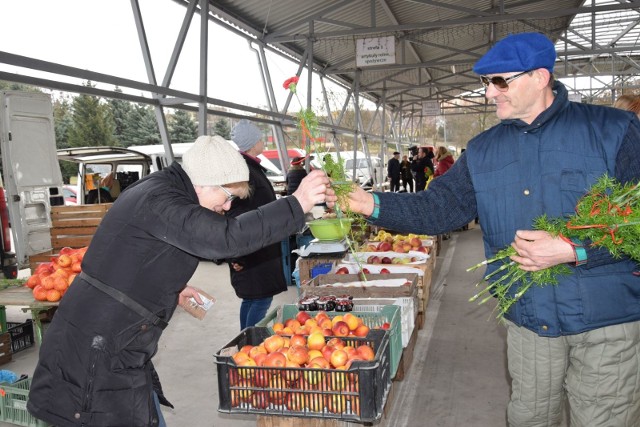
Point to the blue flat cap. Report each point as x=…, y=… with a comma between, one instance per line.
x=518, y=52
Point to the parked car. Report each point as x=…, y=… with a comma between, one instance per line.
x=70, y=195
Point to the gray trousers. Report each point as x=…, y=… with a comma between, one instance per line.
x=597, y=371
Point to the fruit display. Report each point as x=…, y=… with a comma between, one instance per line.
x=339, y=326
x=313, y=374
x=50, y=280
x=397, y=243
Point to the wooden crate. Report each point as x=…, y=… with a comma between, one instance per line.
x=72, y=226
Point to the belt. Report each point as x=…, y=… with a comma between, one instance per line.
x=124, y=299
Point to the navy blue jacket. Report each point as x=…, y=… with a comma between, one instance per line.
x=515, y=172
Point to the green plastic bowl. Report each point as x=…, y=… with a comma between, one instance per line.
x=330, y=229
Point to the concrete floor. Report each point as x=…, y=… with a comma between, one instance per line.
x=458, y=377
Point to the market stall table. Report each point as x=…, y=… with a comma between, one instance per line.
x=22, y=296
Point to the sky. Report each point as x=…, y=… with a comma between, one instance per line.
x=101, y=36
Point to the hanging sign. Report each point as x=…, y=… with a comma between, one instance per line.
x=575, y=97
x=375, y=51
x=430, y=108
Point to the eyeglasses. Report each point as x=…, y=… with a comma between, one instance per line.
x=501, y=83
x=230, y=197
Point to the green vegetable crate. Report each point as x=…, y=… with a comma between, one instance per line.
x=372, y=316
x=13, y=404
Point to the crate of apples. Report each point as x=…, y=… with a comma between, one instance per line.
x=311, y=375
x=51, y=280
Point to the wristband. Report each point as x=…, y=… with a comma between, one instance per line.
x=376, y=207
x=580, y=252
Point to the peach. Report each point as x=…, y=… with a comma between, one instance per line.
x=361, y=331
x=319, y=363
x=298, y=354
x=273, y=343
x=253, y=353
x=314, y=353
x=302, y=317
x=315, y=341
x=339, y=358
x=292, y=323
x=352, y=321
x=259, y=358
x=275, y=360
x=336, y=342
x=297, y=339
x=326, y=351
x=366, y=352
x=239, y=357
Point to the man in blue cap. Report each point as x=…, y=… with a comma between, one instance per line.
x=579, y=340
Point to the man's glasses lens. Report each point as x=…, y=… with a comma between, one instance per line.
x=501, y=83
x=230, y=197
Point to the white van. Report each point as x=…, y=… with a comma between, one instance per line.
x=96, y=164
x=363, y=168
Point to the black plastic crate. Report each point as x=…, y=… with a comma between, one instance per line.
x=21, y=335
x=357, y=394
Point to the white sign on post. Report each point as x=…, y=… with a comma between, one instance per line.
x=375, y=51
x=575, y=97
x=430, y=108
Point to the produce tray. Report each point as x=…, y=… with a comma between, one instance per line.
x=357, y=394
x=391, y=314
x=373, y=287
x=13, y=404
x=408, y=312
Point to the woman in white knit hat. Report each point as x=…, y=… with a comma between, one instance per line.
x=95, y=365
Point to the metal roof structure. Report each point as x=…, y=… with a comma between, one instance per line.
x=436, y=43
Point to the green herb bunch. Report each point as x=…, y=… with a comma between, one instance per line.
x=308, y=124
x=608, y=216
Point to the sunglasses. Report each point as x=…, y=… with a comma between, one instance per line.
x=500, y=82
x=230, y=197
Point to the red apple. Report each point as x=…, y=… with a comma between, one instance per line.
x=366, y=271
x=386, y=260
x=384, y=247
x=302, y=317
x=342, y=270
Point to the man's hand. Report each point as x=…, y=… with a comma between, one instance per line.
x=312, y=190
x=236, y=266
x=359, y=201
x=538, y=250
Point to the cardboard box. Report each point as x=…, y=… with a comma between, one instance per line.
x=307, y=266
x=321, y=286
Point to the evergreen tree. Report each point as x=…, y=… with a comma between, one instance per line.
x=120, y=111
x=221, y=127
x=182, y=127
x=92, y=122
x=142, y=128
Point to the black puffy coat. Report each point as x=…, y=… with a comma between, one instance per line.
x=262, y=274
x=93, y=368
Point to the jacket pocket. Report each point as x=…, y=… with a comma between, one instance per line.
x=135, y=345
x=609, y=297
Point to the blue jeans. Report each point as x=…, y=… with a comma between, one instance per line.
x=253, y=310
x=162, y=423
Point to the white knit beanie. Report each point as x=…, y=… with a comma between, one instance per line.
x=213, y=161
x=245, y=134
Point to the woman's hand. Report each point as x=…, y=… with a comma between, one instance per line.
x=312, y=190
x=189, y=292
